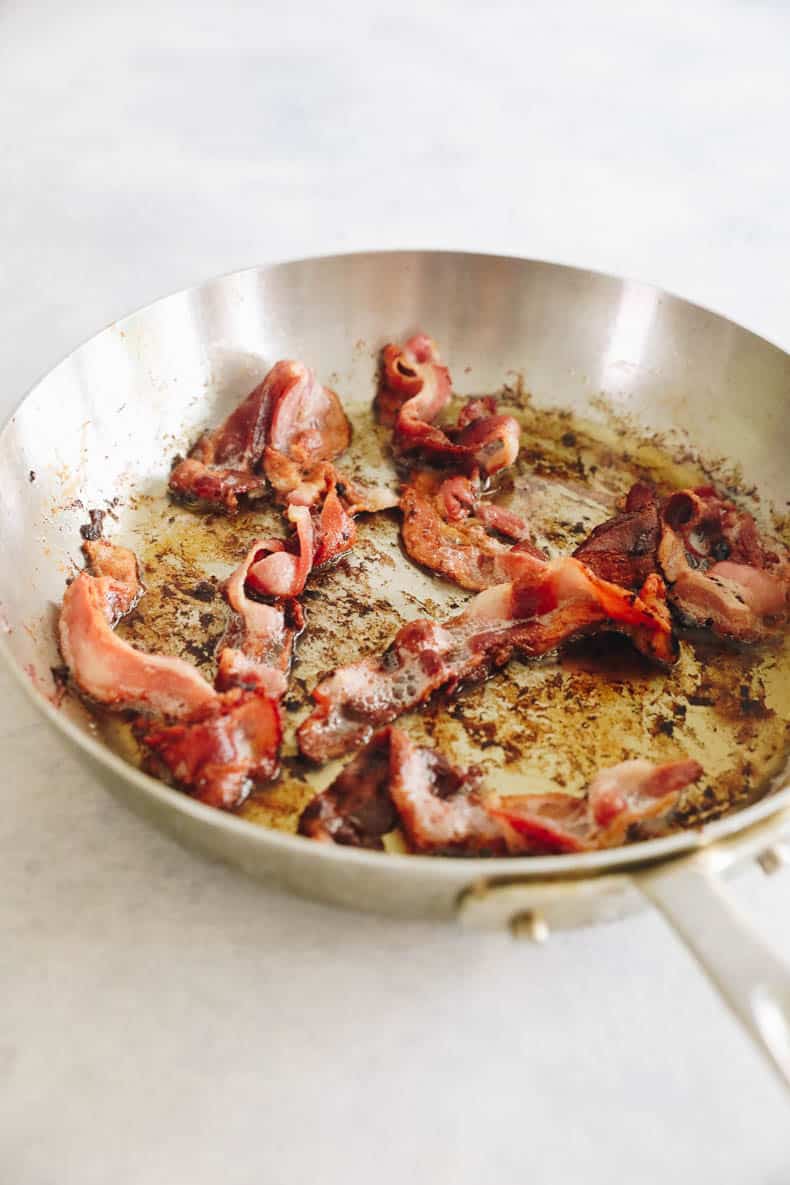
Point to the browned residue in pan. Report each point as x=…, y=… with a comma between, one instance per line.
x=534, y=725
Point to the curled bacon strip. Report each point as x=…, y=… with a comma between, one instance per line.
x=448, y=528
x=260, y=639
x=544, y=607
x=289, y=422
x=414, y=388
x=223, y=464
x=281, y=573
x=220, y=741
x=442, y=809
x=722, y=573
x=103, y=666
x=308, y=429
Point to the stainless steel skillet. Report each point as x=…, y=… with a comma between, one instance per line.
x=617, y=357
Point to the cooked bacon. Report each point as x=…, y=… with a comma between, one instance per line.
x=741, y=602
x=546, y=606
x=192, y=480
x=308, y=430
x=260, y=639
x=411, y=370
x=308, y=420
x=218, y=750
x=617, y=799
x=223, y=464
x=414, y=388
x=289, y=422
x=764, y=592
x=235, y=668
x=541, y=824
x=442, y=809
x=447, y=528
x=357, y=809
x=280, y=572
x=722, y=573
x=392, y=782
x=120, y=565
x=624, y=549
x=439, y=805
x=335, y=530
x=103, y=666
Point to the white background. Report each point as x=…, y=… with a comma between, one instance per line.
x=163, y=1020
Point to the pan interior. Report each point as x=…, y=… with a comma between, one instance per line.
x=614, y=403
x=535, y=725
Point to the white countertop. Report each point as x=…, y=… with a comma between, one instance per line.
x=164, y=1020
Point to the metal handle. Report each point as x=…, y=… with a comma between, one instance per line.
x=750, y=977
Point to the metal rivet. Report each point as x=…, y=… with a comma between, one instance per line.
x=772, y=859
x=529, y=925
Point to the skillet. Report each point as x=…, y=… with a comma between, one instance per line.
x=609, y=377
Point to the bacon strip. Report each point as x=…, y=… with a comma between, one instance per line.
x=308, y=430
x=222, y=465
x=722, y=574
x=414, y=388
x=623, y=549
x=103, y=666
x=280, y=572
x=221, y=742
x=439, y=805
x=357, y=809
x=442, y=809
x=289, y=422
x=546, y=606
x=260, y=639
x=448, y=528
x=617, y=799
x=217, y=751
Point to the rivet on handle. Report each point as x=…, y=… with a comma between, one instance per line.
x=772, y=859
x=529, y=925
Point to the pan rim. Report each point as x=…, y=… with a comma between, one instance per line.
x=441, y=868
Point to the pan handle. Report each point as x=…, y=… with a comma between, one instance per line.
x=753, y=980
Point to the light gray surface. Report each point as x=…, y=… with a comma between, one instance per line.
x=162, y=1019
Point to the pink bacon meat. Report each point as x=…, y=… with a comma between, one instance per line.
x=617, y=799
x=104, y=667
x=290, y=425
x=260, y=638
x=449, y=528
x=723, y=575
x=221, y=748
x=414, y=388
x=221, y=741
x=545, y=606
x=442, y=809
